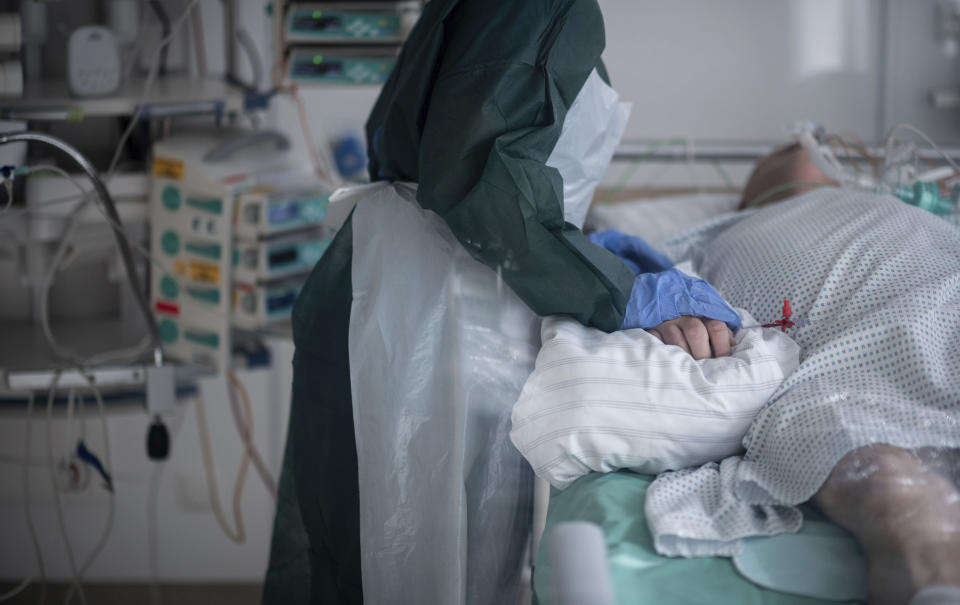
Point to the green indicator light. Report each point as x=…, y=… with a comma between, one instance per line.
x=75, y=114
x=207, y=339
x=317, y=59
x=168, y=330
x=169, y=287
x=210, y=296
x=171, y=198
x=170, y=242
x=207, y=250
x=317, y=14
x=213, y=206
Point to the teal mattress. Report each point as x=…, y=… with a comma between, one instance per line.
x=614, y=501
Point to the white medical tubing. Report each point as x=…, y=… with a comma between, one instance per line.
x=111, y=504
x=51, y=465
x=68, y=428
x=237, y=535
x=28, y=513
x=8, y=188
x=245, y=431
x=108, y=356
x=111, y=210
x=145, y=96
x=888, y=144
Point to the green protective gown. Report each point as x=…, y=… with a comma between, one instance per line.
x=471, y=112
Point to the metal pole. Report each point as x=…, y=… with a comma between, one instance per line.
x=733, y=152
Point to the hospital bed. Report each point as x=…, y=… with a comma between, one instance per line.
x=463, y=519
x=615, y=501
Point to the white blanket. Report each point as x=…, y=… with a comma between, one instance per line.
x=602, y=402
x=879, y=283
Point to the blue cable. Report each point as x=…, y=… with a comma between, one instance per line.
x=91, y=459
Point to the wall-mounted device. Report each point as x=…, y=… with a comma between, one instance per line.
x=369, y=22
x=341, y=65
x=93, y=61
x=238, y=222
x=265, y=213
x=256, y=307
x=261, y=261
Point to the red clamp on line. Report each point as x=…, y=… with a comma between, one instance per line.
x=784, y=323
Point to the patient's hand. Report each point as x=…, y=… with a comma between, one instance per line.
x=701, y=338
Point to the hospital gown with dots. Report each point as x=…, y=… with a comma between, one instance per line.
x=879, y=283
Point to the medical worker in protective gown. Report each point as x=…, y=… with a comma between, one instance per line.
x=471, y=113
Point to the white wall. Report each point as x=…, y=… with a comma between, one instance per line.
x=191, y=546
x=915, y=64
x=744, y=70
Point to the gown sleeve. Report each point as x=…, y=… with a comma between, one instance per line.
x=483, y=123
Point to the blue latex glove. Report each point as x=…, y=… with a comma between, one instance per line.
x=659, y=297
x=640, y=256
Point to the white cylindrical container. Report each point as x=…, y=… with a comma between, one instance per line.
x=578, y=558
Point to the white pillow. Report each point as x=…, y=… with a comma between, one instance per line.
x=602, y=402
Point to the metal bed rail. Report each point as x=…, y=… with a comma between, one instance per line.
x=695, y=151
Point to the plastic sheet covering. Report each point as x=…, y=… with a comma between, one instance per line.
x=591, y=132
x=439, y=350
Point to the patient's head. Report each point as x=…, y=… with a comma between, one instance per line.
x=771, y=179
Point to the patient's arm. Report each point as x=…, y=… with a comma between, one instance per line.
x=701, y=338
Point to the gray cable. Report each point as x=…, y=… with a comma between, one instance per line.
x=256, y=64
x=164, y=18
x=110, y=210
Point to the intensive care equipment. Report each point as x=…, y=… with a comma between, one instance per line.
x=93, y=61
x=345, y=43
x=152, y=252
x=333, y=22
x=239, y=224
x=341, y=65
x=895, y=168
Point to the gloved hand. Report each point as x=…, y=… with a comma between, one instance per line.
x=659, y=297
x=640, y=256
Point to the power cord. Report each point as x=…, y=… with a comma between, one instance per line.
x=61, y=522
x=237, y=535
x=111, y=503
x=246, y=432
x=31, y=527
